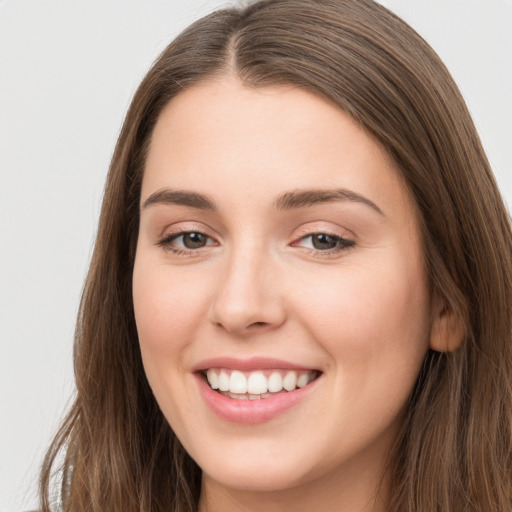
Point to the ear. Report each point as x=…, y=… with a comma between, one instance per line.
x=447, y=332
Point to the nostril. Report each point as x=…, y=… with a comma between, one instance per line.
x=258, y=324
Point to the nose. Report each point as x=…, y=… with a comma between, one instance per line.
x=248, y=297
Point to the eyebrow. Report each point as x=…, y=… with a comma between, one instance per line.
x=286, y=201
x=304, y=198
x=180, y=197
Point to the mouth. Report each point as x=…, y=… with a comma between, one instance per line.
x=257, y=384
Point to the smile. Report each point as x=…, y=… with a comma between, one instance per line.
x=254, y=385
x=254, y=390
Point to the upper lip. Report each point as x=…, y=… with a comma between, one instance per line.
x=253, y=363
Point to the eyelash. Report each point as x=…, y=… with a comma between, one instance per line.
x=342, y=244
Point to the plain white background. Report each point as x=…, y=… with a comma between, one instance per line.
x=67, y=73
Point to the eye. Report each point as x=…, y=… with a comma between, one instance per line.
x=192, y=240
x=324, y=242
x=186, y=241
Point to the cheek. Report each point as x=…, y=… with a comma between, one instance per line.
x=374, y=316
x=373, y=324
x=167, y=307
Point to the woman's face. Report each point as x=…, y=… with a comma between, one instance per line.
x=277, y=247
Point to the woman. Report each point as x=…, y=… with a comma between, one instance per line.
x=300, y=291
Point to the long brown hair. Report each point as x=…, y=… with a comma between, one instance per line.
x=455, y=453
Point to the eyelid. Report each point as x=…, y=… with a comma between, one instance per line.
x=183, y=227
x=312, y=228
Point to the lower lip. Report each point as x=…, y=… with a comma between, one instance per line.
x=251, y=411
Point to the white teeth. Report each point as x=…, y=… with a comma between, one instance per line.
x=302, y=380
x=223, y=381
x=290, y=381
x=275, y=382
x=213, y=379
x=257, y=383
x=237, y=396
x=237, y=382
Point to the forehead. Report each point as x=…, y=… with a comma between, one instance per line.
x=221, y=137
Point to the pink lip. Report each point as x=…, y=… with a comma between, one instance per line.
x=254, y=363
x=250, y=411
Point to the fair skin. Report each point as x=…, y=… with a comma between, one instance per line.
x=239, y=266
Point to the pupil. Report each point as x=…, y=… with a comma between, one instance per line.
x=323, y=241
x=194, y=240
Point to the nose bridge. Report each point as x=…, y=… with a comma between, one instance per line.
x=246, y=298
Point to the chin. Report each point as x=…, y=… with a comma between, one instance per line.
x=258, y=477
